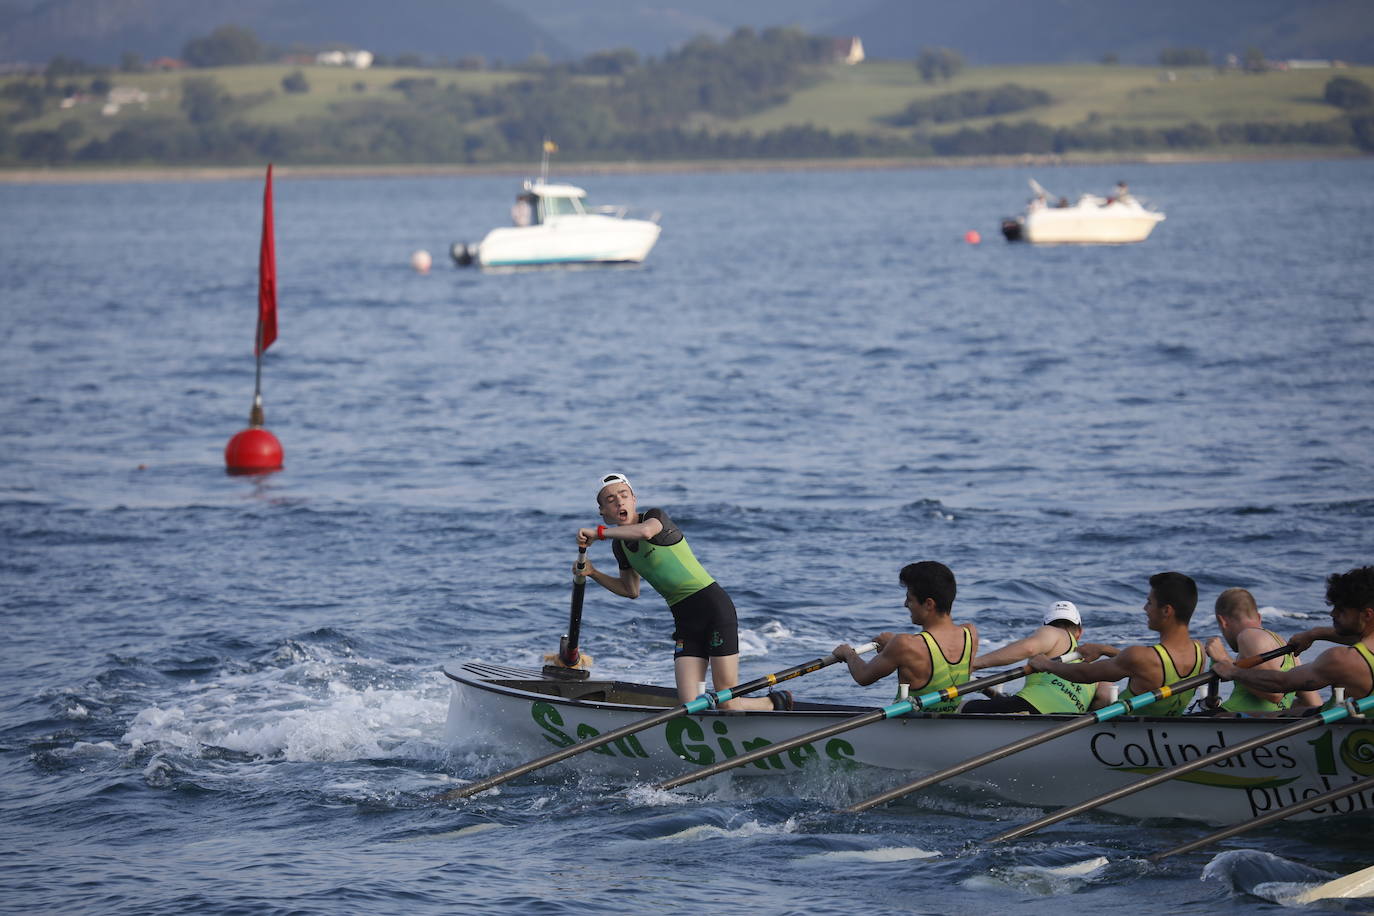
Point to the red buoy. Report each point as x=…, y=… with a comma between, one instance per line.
x=972, y=237
x=253, y=451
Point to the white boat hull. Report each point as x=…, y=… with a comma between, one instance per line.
x=573, y=239
x=525, y=716
x=1091, y=221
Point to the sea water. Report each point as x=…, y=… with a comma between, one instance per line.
x=223, y=694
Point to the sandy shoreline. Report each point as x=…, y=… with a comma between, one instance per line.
x=77, y=175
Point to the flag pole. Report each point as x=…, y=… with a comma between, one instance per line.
x=255, y=450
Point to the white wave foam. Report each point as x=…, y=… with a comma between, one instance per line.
x=1078, y=869
x=92, y=748
x=747, y=829
x=1268, y=613
x=650, y=797
x=453, y=834
x=304, y=711
x=1042, y=880
x=886, y=854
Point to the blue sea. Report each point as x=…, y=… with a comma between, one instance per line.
x=222, y=694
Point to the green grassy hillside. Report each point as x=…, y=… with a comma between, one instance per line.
x=348, y=115
x=857, y=98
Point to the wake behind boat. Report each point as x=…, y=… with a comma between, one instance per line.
x=526, y=713
x=554, y=224
x=1093, y=220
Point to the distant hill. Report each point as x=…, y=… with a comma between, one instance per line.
x=654, y=28
x=1002, y=32
x=985, y=32
x=99, y=31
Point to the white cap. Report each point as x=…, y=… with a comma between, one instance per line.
x=1063, y=610
x=609, y=479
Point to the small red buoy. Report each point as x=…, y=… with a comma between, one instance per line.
x=972, y=237
x=253, y=451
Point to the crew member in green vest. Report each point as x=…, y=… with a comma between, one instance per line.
x=650, y=546
x=939, y=656
x=1168, y=608
x=1043, y=692
x=1238, y=618
x=1349, y=666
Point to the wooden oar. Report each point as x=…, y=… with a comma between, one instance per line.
x=1362, y=785
x=1359, y=884
x=899, y=708
x=707, y=700
x=1325, y=718
x=1130, y=704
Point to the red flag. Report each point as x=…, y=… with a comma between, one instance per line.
x=267, y=275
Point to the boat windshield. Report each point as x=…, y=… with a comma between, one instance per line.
x=561, y=206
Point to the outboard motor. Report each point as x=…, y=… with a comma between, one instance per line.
x=463, y=254
x=1012, y=228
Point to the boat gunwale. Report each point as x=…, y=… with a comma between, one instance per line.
x=828, y=710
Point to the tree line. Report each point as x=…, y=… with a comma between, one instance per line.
x=612, y=104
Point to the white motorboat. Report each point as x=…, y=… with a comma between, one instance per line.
x=553, y=224
x=523, y=714
x=1092, y=220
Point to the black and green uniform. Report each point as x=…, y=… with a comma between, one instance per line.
x=704, y=618
x=1242, y=700
x=1050, y=693
x=944, y=673
x=1368, y=657
x=1175, y=704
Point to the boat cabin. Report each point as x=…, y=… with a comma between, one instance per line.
x=554, y=200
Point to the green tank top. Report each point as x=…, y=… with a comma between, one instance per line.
x=1175, y=704
x=1368, y=660
x=671, y=569
x=1242, y=700
x=943, y=674
x=1049, y=693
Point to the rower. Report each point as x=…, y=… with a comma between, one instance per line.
x=922, y=660
x=706, y=628
x=1238, y=618
x=1168, y=608
x=1349, y=666
x=1043, y=692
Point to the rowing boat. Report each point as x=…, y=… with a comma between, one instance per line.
x=524, y=713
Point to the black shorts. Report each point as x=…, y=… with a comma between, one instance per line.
x=705, y=624
x=1000, y=704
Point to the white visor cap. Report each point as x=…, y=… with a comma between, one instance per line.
x=612, y=479
x=1063, y=610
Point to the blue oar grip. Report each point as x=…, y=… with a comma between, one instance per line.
x=1350, y=708
x=702, y=703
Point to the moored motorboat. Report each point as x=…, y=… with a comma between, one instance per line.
x=1114, y=220
x=554, y=224
x=526, y=714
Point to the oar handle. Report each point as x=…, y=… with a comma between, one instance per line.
x=1253, y=660
x=724, y=695
x=569, y=651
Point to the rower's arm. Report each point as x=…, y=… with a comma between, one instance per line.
x=626, y=585
x=1331, y=667
x=1123, y=665
x=1303, y=641
x=1041, y=642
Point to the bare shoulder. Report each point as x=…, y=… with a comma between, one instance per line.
x=907, y=645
